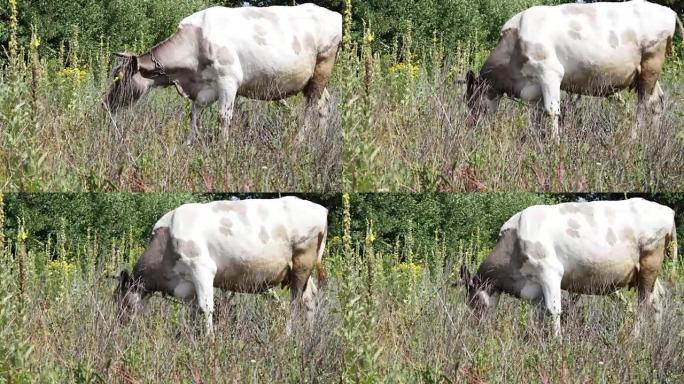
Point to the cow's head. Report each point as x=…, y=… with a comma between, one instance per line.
x=129, y=295
x=128, y=84
x=480, y=97
x=477, y=295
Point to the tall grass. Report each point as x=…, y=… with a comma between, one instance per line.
x=404, y=118
x=54, y=135
x=385, y=315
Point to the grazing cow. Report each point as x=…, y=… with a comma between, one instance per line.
x=588, y=49
x=585, y=248
x=244, y=246
x=265, y=53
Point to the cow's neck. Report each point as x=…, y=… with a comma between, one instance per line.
x=176, y=54
x=500, y=270
x=500, y=67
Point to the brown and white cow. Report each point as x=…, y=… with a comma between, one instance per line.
x=265, y=53
x=244, y=246
x=585, y=248
x=589, y=49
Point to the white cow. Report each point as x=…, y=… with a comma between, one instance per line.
x=242, y=246
x=589, y=49
x=585, y=248
x=266, y=53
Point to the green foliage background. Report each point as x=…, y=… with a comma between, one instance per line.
x=137, y=24
x=409, y=221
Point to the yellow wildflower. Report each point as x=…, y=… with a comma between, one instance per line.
x=412, y=269
x=407, y=68
x=22, y=235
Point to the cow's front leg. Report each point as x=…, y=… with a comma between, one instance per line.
x=226, y=103
x=551, y=289
x=195, y=122
x=550, y=87
x=203, y=281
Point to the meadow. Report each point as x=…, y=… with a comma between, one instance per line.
x=404, y=125
x=55, y=135
x=396, y=122
x=389, y=312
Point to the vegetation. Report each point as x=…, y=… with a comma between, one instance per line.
x=389, y=312
x=397, y=121
x=404, y=128
x=54, y=135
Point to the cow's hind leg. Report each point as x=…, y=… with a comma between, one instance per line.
x=650, y=261
x=317, y=96
x=301, y=293
x=650, y=103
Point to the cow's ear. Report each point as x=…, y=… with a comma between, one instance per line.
x=124, y=281
x=123, y=55
x=466, y=276
x=470, y=79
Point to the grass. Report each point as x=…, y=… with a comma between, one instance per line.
x=384, y=316
x=54, y=135
x=406, y=131
x=397, y=124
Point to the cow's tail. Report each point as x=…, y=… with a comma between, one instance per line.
x=679, y=27
x=671, y=247
x=320, y=272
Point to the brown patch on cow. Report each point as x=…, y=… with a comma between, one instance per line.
x=627, y=234
x=227, y=207
x=534, y=250
x=259, y=29
x=628, y=36
x=296, y=46
x=187, y=248
x=262, y=212
x=538, y=52
x=575, y=25
x=325, y=62
x=309, y=42
x=258, y=13
x=613, y=39
x=651, y=66
x=650, y=262
x=225, y=226
x=587, y=11
x=259, y=40
x=572, y=232
x=224, y=56
x=280, y=232
x=585, y=210
x=610, y=237
x=263, y=235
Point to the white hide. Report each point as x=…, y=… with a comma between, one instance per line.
x=268, y=47
x=241, y=246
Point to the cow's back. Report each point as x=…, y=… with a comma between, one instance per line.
x=597, y=244
x=276, y=35
x=250, y=243
x=598, y=47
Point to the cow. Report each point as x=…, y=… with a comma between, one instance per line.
x=585, y=248
x=264, y=53
x=593, y=49
x=246, y=246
